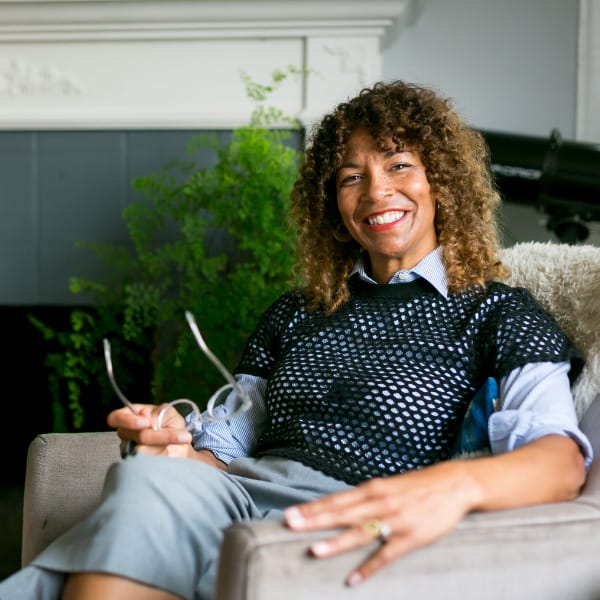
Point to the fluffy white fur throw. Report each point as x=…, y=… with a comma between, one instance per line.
x=566, y=281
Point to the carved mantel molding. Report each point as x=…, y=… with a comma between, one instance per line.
x=147, y=63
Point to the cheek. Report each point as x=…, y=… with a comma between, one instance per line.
x=420, y=185
x=344, y=209
x=422, y=190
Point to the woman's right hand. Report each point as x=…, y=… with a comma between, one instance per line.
x=171, y=439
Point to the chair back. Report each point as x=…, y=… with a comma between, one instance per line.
x=566, y=281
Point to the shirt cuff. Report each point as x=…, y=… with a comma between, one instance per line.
x=510, y=429
x=216, y=437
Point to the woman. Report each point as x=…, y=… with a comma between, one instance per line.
x=360, y=379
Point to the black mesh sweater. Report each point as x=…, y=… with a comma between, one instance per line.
x=382, y=385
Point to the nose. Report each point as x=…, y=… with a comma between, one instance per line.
x=379, y=186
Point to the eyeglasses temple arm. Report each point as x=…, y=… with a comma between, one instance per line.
x=111, y=377
x=246, y=402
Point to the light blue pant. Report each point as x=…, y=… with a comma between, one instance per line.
x=161, y=522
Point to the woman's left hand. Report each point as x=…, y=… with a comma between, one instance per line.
x=418, y=507
x=404, y=512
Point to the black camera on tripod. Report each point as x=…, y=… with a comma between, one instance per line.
x=559, y=178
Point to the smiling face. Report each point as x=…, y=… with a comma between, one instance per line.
x=384, y=199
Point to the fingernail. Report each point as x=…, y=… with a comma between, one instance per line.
x=320, y=548
x=184, y=438
x=141, y=423
x=294, y=517
x=354, y=579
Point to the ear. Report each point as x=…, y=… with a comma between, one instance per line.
x=340, y=233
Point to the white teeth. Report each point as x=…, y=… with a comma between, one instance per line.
x=387, y=217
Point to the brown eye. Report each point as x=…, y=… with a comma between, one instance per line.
x=349, y=179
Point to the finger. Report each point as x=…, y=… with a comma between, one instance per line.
x=123, y=418
x=329, y=517
x=171, y=417
x=154, y=437
x=336, y=501
x=351, y=538
x=171, y=450
x=343, y=508
x=332, y=504
x=150, y=450
x=144, y=417
x=369, y=491
x=398, y=544
x=394, y=548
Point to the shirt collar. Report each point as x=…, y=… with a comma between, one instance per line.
x=431, y=268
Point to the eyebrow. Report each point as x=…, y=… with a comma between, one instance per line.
x=388, y=154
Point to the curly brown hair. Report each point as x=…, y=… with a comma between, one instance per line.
x=456, y=161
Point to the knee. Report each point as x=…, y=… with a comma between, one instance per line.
x=145, y=479
x=140, y=482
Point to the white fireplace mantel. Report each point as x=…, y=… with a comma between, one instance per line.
x=588, y=72
x=176, y=64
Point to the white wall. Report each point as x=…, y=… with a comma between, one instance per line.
x=510, y=65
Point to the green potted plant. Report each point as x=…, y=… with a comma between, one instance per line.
x=214, y=241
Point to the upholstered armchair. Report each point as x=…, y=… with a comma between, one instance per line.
x=540, y=552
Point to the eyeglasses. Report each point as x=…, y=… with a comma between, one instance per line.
x=195, y=418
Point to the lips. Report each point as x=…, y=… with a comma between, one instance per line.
x=386, y=217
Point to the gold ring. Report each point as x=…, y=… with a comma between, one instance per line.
x=377, y=529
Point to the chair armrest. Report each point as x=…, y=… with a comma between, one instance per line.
x=63, y=482
x=543, y=552
x=590, y=425
x=505, y=556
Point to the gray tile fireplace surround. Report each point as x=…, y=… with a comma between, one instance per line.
x=60, y=187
